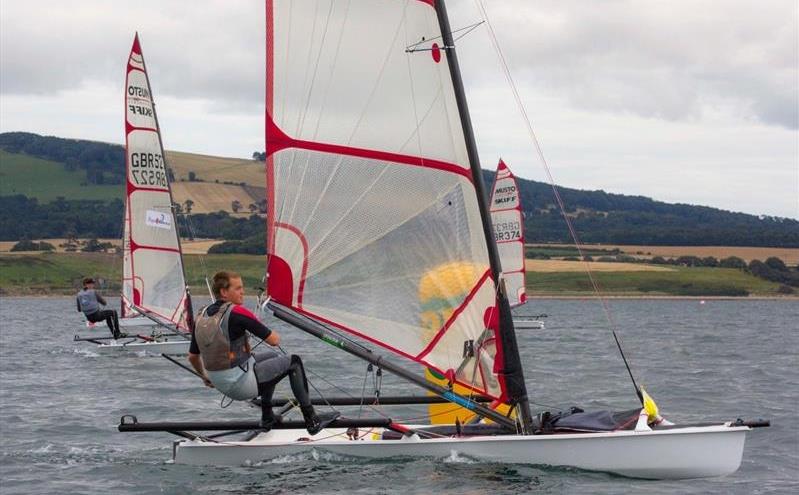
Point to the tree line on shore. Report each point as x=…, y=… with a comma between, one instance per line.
x=24, y=217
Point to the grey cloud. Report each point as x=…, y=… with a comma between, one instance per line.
x=668, y=60
x=211, y=50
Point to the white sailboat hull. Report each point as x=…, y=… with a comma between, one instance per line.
x=171, y=347
x=136, y=321
x=524, y=323
x=690, y=452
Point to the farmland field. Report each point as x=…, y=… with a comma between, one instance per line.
x=212, y=168
x=210, y=197
x=677, y=281
x=46, y=180
x=788, y=255
x=595, y=266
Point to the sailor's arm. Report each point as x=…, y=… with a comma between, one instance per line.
x=244, y=317
x=77, y=300
x=100, y=299
x=197, y=362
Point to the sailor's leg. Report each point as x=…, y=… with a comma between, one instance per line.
x=265, y=354
x=314, y=423
x=115, y=317
x=109, y=321
x=270, y=367
x=299, y=382
x=266, y=391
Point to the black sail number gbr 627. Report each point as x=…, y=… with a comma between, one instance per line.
x=147, y=169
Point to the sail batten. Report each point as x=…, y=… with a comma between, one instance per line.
x=153, y=279
x=373, y=220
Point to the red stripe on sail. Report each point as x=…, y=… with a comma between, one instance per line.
x=454, y=316
x=130, y=128
x=391, y=348
x=134, y=246
x=134, y=188
x=279, y=140
x=504, y=209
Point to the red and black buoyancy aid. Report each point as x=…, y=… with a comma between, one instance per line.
x=218, y=351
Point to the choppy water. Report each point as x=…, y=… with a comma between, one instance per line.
x=60, y=403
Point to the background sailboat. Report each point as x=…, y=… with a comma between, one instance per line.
x=153, y=283
x=507, y=218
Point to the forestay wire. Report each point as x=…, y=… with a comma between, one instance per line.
x=572, y=231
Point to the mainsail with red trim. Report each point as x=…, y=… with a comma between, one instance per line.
x=153, y=279
x=374, y=225
x=508, y=221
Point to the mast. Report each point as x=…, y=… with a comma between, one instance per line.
x=513, y=372
x=188, y=307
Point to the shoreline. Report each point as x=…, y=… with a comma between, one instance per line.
x=792, y=298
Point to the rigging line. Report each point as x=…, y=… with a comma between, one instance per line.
x=304, y=113
x=308, y=64
x=363, y=389
x=540, y=152
x=379, y=77
x=413, y=48
x=377, y=178
x=333, y=65
x=310, y=383
x=203, y=265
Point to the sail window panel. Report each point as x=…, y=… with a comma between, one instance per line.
x=515, y=287
x=511, y=253
x=159, y=278
x=146, y=167
x=138, y=101
x=505, y=194
x=155, y=225
x=342, y=76
x=362, y=234
x=469, y=326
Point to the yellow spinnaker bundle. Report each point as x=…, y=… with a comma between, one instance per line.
x=441, y=290
x=649, y=406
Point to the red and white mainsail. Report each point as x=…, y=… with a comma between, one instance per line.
x=153, y=278
x=508, y=221
x=373, y=219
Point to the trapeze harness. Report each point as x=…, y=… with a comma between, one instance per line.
x=229, y=363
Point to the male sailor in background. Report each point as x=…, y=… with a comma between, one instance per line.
x=89, y=302
x=220, y=353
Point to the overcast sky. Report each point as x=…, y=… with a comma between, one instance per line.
x=682, y=101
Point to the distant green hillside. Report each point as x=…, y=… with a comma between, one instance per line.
x=47, y=180
x=598, y=217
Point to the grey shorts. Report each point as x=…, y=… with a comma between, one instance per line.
x=270, y=365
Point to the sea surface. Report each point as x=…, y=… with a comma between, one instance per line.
x=60, y=403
